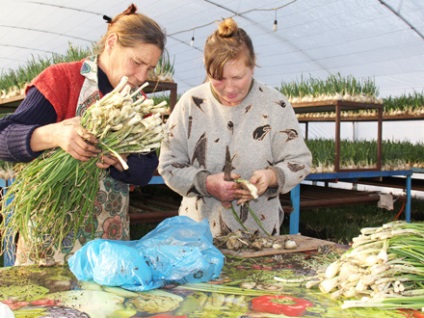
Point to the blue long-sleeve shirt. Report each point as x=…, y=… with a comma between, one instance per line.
x=35, y=111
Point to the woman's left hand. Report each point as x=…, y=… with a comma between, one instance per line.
x=107, y=161
x=263, y=179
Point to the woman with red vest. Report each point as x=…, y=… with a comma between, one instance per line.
x=49, y=117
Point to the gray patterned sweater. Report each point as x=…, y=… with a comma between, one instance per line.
x=262, y=132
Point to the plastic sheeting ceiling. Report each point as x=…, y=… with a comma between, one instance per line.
x=363, y=38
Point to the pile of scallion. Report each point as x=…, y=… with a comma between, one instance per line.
x=383, y=269
x=53, y=196
x=334, y=87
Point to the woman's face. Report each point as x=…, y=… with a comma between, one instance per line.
x=235, y=84
x=133, y=62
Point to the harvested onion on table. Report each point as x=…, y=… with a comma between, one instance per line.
x=384, y=269
x=54, y=194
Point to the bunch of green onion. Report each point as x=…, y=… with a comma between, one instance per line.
x=54, y=195
x=384, y=269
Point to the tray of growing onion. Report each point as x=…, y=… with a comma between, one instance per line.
x=384, y=269
x=54, y=194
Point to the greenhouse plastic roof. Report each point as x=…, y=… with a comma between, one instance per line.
x=377, y=39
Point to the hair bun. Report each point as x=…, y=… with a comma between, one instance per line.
x=227, y=27
x=132, y=9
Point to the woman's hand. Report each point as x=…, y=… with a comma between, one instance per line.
x=68, y=135
x=243, y=195
x=107, y=161
x=220, y=189
x=76, y=140
x=261, y=179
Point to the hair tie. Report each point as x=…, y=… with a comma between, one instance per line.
x=107, y=19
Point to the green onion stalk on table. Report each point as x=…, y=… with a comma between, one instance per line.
x=383, y=269
x=54, y=194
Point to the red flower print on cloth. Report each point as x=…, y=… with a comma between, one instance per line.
x=112, y=228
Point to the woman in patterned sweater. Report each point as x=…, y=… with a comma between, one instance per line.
x=255, y=121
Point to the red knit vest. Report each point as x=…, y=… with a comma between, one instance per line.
x=61, y=85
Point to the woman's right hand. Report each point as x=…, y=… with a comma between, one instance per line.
x=221, y=189
x=76, y=140
x=68, y=135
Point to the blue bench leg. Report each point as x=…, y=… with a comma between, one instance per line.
x=9, y=244
x=295, y=215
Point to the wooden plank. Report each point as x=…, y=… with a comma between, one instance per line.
x=303, y=118
x=154, y=204
x=304, y=243
x=151, y=217
x=331, y=105
x=394, y=182
x=145, y=213
x=313, y=196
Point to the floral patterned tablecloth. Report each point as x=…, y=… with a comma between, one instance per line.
x=272, y=286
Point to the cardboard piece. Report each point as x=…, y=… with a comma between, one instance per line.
x=304, y=244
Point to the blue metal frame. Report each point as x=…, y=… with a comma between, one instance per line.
x=349, y=176
x=9, y=245
x=157, y=180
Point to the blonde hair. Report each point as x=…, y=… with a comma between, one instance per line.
x=132, y=28
x=227, y=43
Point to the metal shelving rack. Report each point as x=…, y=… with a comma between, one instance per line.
x=371, y=176
x=338, y=106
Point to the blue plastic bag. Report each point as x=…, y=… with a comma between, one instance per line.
x=179, y=250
